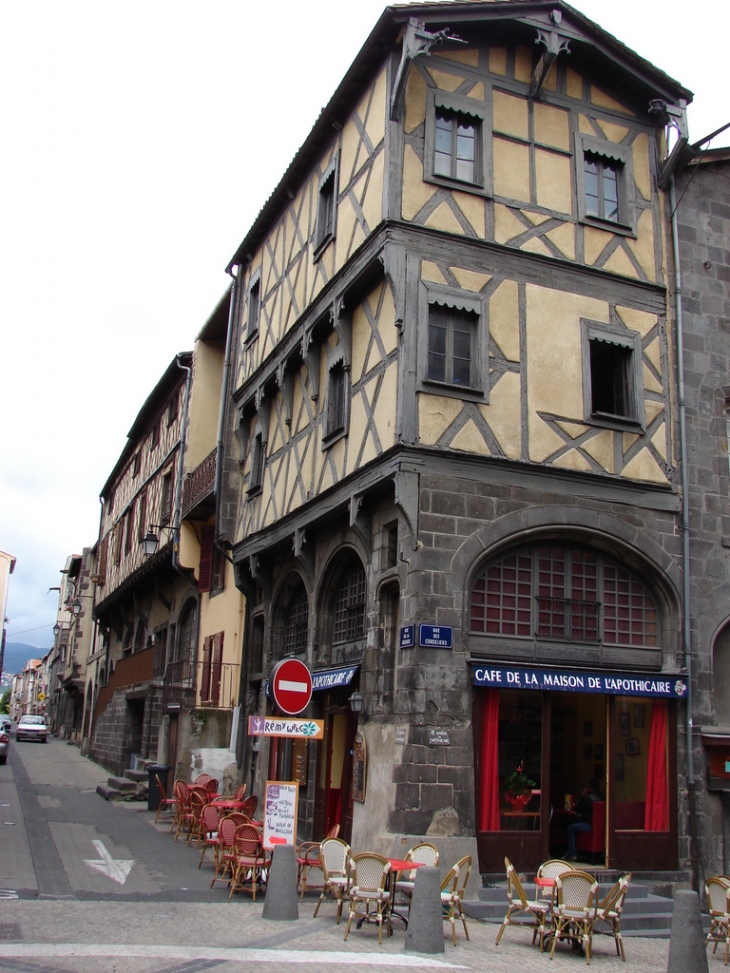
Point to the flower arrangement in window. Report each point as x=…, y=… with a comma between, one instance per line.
x=519, y=787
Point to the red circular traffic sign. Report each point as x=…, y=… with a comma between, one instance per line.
x=291, y=686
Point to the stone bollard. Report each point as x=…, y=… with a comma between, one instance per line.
x=687, y=952
x=425, y=932
x=281, y=900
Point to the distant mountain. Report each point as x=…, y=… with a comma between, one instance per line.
x=17, y=654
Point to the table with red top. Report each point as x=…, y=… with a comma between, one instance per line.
x=227, y=803
x=399, y=865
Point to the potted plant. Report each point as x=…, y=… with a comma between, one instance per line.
x=519, y=787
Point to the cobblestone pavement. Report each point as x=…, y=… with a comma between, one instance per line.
x=86, y=937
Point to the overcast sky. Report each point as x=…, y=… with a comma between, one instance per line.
x=139, y=141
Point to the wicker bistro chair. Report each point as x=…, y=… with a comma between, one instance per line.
x=198, y=801
x=452, y=894
x=308, y=857
x=250, y=859
x=335, y=864
x=518, y=904
x=609, y=911
x=426, y=854
x=202, y=779
x=227, y=827
x=249, y=805
x=717, y=890
x=166, y=803
x=183, y=813
x=210, y=820
x=551, y=869
x=575, y=910
x=369, y=890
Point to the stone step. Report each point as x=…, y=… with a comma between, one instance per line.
x=108, y=793
x=138, y=776
x=123, y=784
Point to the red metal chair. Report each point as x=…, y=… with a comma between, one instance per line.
x=250, y=859
x=210, y=821
x=227, y=828
x=166, y=803
x=199, y=799
x=202, y=779
x=182, y=806
x=249, y=805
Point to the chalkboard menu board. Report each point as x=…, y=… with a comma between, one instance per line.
x=280, y=813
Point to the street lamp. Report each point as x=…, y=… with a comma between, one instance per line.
x=150, y=541
x=356, y=705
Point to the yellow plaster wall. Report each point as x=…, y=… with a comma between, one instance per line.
x=553, y=181
x=504, y=319
x=554, y=362
x=511, y=170
x=510, y=115
x=435, y=413
x=205, y=398
x=552, y=126
x=503, y=414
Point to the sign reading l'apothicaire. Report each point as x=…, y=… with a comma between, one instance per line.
x=611, y=683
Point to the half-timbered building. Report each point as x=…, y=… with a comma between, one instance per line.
x=453, y=412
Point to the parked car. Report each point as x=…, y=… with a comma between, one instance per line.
x=31, y=727
x=4, y=746
x=5, y=723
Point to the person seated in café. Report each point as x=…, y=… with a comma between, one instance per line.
x=583, y=812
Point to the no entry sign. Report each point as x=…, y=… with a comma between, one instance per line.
x=291, y=686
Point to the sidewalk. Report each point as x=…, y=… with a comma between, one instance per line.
x=235, y=932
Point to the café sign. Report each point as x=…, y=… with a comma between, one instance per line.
x=610, y=683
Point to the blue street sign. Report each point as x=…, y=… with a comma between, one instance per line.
x=436, y=636
x=407, y=636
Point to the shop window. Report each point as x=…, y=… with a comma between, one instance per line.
x=563, y=593
x=510, y=761
x=641, y=770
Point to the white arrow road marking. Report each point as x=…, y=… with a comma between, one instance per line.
x=115, y=868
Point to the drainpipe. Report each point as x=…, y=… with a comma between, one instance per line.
x=180, y=469
x=686, y=631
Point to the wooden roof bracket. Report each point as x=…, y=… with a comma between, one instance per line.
x=555, y=43
x=416, y=40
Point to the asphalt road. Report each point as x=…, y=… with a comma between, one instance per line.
x=88, y=886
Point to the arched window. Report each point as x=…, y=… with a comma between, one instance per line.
x=297, y=622
x=565, y=594
x=349, y=614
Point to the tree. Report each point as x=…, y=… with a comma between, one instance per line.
x=5, y=702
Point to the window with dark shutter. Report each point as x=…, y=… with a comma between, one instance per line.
x=205, y=575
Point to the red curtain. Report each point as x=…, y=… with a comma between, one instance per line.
x=656, y=810
x=489, y=811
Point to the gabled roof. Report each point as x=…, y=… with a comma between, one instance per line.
x=608, y=57
x=171, y=379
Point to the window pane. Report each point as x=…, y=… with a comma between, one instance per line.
x=443, y=148
x=520, y=753
x=465, y=152
x=462, y=356
x=436, y=350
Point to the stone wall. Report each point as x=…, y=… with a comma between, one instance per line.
x=704, y=233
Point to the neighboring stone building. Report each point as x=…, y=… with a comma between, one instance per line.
x=7, y=566
x=454, y=391
x=702, y=197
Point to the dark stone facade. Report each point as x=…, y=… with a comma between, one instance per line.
x=703, y=192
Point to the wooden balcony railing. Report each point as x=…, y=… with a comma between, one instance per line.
x=202, y=684
x=199, y=484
